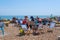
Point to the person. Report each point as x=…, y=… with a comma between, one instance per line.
x=37, y=17
x=1, y=23
x=2, y=26
x=13, y=20
x=35, y=30
x=32, y=18
x=25, y=21
x=40, y=20
x=19, y=21
x=36, y=22
x=21, y=32
x=44, y=21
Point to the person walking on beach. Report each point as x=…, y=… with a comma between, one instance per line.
x=2, y=26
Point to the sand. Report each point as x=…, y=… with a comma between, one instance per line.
x=14, y=31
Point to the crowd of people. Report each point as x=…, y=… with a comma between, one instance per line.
x=31, y=23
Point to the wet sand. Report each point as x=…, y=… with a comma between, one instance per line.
x=14, y=31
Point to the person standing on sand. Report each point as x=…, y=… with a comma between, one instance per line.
x=2, y=26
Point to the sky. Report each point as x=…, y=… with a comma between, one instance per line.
x=29, y=7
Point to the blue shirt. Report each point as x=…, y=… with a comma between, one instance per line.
x=1, y=24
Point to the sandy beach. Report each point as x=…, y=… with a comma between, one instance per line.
x=12, y=33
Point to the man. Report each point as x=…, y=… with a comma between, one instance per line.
x=2, y=26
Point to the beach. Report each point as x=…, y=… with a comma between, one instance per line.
x=13, y=32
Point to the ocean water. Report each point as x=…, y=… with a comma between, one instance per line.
x=20, y=17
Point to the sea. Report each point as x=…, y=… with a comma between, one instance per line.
x=20, y=17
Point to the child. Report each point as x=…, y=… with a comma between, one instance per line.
x=21, y=32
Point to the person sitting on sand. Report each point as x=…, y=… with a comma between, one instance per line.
x=32, y=18
x=36, y=22
x=13, y=20
x=40, y=20
x=25, y=20
x=44, y=21
x=35, y=30
x=21, y=32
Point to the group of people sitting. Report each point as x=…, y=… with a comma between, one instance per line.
x=31, y=24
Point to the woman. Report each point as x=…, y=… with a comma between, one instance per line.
x=25, y=21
